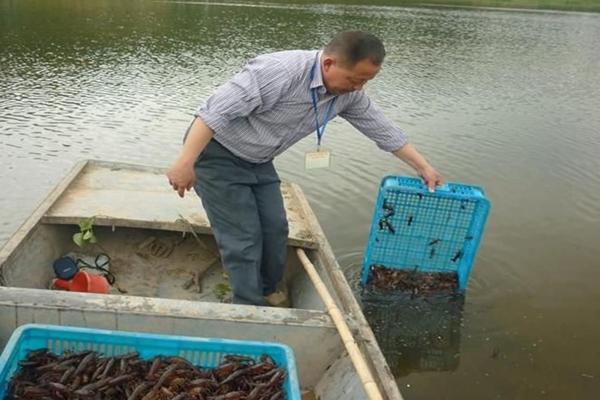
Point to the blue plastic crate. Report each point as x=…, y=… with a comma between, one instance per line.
x=428, y=232
x=207, y=353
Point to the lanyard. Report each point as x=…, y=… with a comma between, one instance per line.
x=320, y=129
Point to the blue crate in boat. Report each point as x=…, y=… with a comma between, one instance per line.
x=427, y=232
x=204, y=352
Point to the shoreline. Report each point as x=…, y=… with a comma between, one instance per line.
x=510, y=9
x=525, y=6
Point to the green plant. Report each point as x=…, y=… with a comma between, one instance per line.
x=86, y=232
x=221, y=290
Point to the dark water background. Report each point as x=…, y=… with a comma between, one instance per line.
x=506, y=100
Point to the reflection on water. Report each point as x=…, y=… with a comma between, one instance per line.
x=505, y=100
x=416, y=334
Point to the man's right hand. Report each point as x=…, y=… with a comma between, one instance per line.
x=181, y=176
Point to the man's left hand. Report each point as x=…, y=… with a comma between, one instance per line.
x=409, y=154
x=431, y=177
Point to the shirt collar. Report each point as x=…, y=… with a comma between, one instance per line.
x=317, y=81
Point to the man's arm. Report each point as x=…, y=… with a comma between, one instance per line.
x=181, y=174
x=409, y=154
x=370, y=120
x=255, y=89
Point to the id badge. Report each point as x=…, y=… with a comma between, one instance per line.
x=317, y=159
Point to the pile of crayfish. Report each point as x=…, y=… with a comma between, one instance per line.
x=412, y=281
x=88, y=375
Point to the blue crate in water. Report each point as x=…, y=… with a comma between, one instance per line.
x=207, y=353
x=428, y=232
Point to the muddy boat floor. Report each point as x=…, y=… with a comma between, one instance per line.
x=132, y=206
x=166, y=266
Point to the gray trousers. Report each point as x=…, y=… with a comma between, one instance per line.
x=245, y=208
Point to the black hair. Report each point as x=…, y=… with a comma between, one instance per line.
x=355, y=46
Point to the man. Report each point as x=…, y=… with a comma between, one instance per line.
x=273, y=102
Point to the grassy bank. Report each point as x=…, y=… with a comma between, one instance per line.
x=565, y=5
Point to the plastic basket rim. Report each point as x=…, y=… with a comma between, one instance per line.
x=135, y=334
x=423, y=189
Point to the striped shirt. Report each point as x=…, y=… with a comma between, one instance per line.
x=267, y=107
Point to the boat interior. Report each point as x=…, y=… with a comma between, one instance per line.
x=168, y=277
x=144, y=262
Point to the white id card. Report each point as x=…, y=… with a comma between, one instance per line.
x=317, y=159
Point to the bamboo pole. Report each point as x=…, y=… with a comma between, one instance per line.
x=355, y=355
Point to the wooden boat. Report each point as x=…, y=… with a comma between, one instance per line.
x=158, y=245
